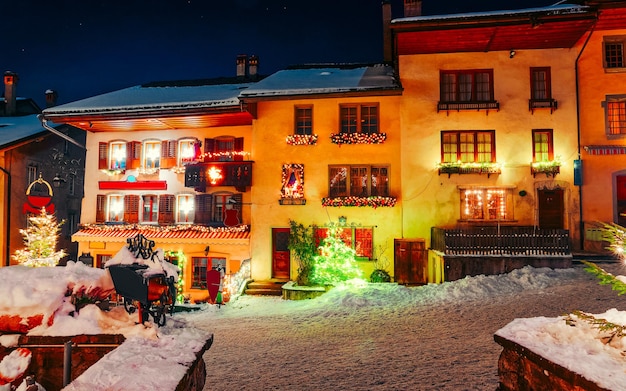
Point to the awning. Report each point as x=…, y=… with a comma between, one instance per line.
x=186, y=235
x=605, y=149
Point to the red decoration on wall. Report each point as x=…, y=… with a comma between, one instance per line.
x=38, y=196
x=136, y=185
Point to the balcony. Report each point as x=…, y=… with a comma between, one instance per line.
x=534, y=104
x=476, y=105
x=212, y=174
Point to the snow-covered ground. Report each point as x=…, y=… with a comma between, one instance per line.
x=356, y=337
x=389, y=337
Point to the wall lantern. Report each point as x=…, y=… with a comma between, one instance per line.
x=57, y=181
x=512, y=54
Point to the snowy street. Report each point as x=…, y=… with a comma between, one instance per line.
x=388, y=337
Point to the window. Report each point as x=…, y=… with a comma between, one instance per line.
x=184, y=208
x=359, y=239
x=468, y=146
x=467, y=86
x=613, y=48
x=304, y=120
x=151, y=154
x=199, y=268
x=359, y=118
x=150, y=208
x=187, y=151
x=72, y=184
x=223, y=149
x=117, y=156
x=226, y=206
x=543, y=146
x=541, y=89
x=358, y=180
x=615, y=108
x=102, y=259
x=486, y=204
x=32, y=174
x=115, y=210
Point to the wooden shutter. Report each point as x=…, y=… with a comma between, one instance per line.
x=203, y=208
x=103, y=156
x=133, y=154
x=101, y=207
x=209, y=148
x=238, y=198
x=168, y=153
x=131, y=208
x=238, y=147
x=166, y=209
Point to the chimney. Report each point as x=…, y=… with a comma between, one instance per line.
x=253, y=67
x=51, y=98
x=242, y=66
x=10, y=87
x=412, y=8
x=387, y=31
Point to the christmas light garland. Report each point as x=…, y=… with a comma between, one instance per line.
x=358, y=138
x=301, y=139
x=371, y=201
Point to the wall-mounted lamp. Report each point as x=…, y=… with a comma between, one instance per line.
x=57, y=181
x=512, y=54
x=206, y=250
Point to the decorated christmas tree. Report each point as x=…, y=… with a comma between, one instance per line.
x=336, y=261
x=40, y=239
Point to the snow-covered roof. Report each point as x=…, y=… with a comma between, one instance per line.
x=159, y=97
x=16, y=129
x=325, y=79
x=559, y=9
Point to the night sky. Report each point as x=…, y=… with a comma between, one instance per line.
x=82, y=48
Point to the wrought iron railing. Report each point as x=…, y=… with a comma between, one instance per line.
x=503, y=240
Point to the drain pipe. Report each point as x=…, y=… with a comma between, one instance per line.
x=580, y=188
x=44, y=123
x=7, y=261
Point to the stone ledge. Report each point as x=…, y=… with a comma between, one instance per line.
x=295, y=292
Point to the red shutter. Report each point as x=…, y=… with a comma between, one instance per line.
x=133, y=154
x=101, y=208
x=103, y=156
x=168, y=153
x=131, y=208
x=238, y=147
x=166, y=209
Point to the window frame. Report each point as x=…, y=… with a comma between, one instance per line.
x=151, y=154
x=447, y=95
x=619, y=58
x=459, y=149
x=620, y=118
x=185, y=204
x=355, y=184
x=549, y=144
x=363, y=118
x=360, y=239
x=485, y=216
x=303, y=120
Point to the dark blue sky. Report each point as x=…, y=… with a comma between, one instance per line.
x=82, y=48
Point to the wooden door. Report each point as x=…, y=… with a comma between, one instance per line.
x=410, y=261
x=281, y=258
x=621, y=200
x=551, y=211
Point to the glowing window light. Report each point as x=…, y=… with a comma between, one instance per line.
x=152, y=154
x=116, y=207
x=118, y=156
x=185, y=207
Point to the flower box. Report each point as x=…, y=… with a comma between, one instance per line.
x=469, y=168
x=550, y=168
x=302, y=139
x=358, y=138
x=371, y=201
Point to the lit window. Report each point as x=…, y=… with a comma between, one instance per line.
x=224, y=148
x=486, y=204
x=199, y=267
x=542, y=145
x=115, y=209
x=293, y=181
x=304, y=120
x=359, y=118
x=186, y=151
x=184, y=208
x=615, y=108
x=468, y=146
x=359, y=181
x=613, y=47
x=151, y=154
x=117, y=155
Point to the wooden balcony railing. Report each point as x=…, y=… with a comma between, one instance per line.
x=508, y=240
x=472, y=105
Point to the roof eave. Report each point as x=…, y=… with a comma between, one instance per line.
x=325, y=95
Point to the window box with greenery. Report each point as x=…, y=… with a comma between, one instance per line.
x=469, y=168
x=550, y=168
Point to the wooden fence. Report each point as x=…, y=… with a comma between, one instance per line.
x=509, y=240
